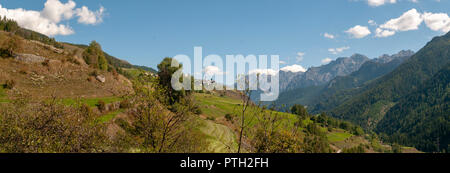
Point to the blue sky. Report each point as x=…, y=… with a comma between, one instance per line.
x=144, y=32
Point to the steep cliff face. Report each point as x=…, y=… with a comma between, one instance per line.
x=341, y=88
x=320, y=75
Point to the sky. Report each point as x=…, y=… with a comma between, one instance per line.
x=304, y=33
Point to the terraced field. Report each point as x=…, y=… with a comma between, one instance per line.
x=217, y=106
x=91, y=101
x=222, y=139
x=338, y=136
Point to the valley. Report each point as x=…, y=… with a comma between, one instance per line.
x=76, y=98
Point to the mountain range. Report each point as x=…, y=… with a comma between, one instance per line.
x=319, y=75
x=403, y=97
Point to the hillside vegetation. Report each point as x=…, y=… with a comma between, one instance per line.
x=66, y=98
x=421, y=119
x=402, y=84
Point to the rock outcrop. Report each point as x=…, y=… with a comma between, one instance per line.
x=29, y=58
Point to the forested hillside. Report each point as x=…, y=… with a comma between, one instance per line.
x=365, y=108
x=393, y=91
x=343, y=88
x=325, y=97
x=422, y=119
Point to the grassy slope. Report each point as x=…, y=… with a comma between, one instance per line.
x=222, y=139
x=338, y=136
x=3, y=96
x=215, y=108
x=109, y=116
x=91, y=102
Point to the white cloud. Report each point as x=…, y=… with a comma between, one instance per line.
x=330, y=36
x=437, y=21
x=270, y=72
x=376, y=3
x=282, y=62
x=326, y=60
x=383, y=33
x=48, y=21
x=358, y=31
x=409, y=20
x=300, y=56
x=34, y=21
x=89, y=17
x=338, y=50
x=55, y=11
x=294, y=68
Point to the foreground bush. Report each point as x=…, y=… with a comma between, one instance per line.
x=49, y=128
x=9, y=84
x=153, y=128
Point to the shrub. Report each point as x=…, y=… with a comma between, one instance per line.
x=94, y=56
x=196, y=109
x=125, y=104
x=94, y=73
x=85, y=109
x=211, y=118
x=10, y=46
x=124, y=125
x=73, y=60
x=101, y=105
x=229, y=117
x=114, y=73
x=49, y=127
x=9, y=84
x=46, y=63
x=357, y=149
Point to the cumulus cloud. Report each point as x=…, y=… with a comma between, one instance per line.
x=376, y=3
x=359, y=31
x=330, y=36
x=294, y=68
x=55, y=11
x=411, y=20
x=33, y=20
x=383, y=33
x=87, y=16
x=326, y=60
x=437, y=21
x=48, y=21
x=338, y=50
